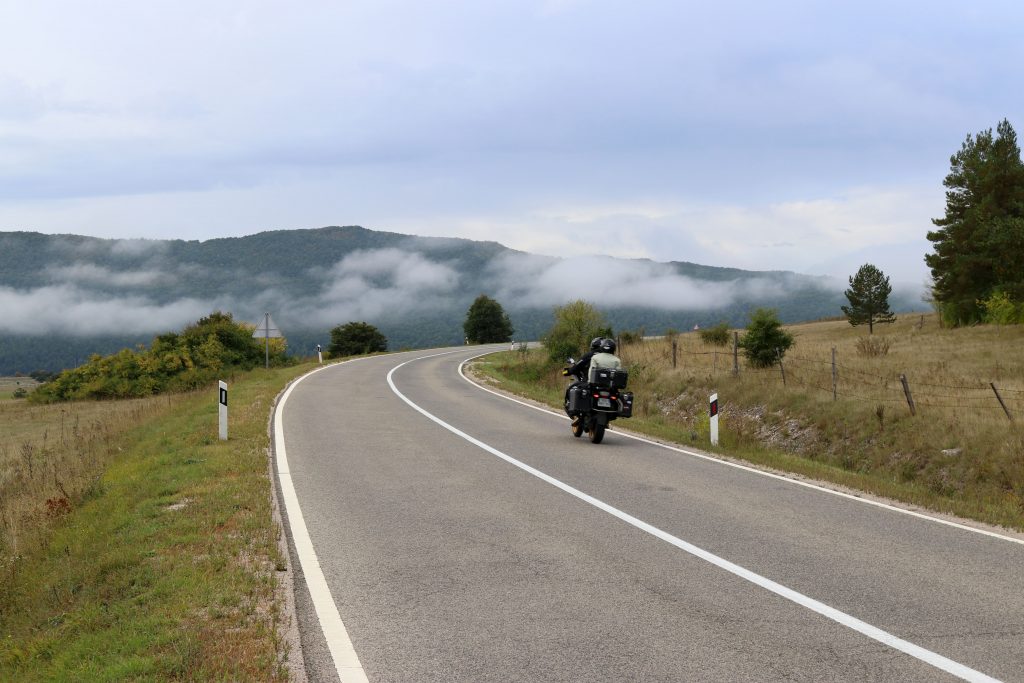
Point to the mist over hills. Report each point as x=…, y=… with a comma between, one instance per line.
x=63, y=297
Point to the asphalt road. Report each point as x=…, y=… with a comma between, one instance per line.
x=447, y=561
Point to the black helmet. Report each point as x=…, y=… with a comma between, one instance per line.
x=608, y=345
x=595, y=343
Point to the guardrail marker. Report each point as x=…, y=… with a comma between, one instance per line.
x=714, y=419
x=223, y=408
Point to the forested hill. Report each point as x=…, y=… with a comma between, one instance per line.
x=63, y=297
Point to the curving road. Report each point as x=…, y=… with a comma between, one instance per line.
x=442, y=532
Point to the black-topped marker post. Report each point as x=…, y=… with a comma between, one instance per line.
x=713, y=412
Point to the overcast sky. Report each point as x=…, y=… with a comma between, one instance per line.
x=805, y=136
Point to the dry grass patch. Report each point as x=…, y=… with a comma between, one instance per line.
x=52, y=458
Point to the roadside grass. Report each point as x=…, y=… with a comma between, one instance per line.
x=959, y=454
x=162, y=567
x=52, y=456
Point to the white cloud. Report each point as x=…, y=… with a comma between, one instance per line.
x=525, y=281
x=371, y=284
x=68, y=310
x=90, y=274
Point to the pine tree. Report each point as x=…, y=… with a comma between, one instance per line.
x=487, y=322
x=869, y=298
x=765, y=342
x=979, y=243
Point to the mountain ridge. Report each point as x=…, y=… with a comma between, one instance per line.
x=66, y=295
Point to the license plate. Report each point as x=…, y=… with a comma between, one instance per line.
x=604, y=403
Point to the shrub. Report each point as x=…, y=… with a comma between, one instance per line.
x=631, y=337
x=717, y=335
x=1000, y=310
x=354, y=339
x=765, y=341
x=871, y=347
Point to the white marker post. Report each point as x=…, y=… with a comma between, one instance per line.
x=714, y=419
x=319, y=355
x=223, y=410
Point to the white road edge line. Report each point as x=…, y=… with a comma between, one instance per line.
x=797, y=482
x=343, y=654
x=927, y=656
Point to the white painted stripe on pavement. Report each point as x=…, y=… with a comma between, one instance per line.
x=346, y=661
x=932, y=658
x=747, y=468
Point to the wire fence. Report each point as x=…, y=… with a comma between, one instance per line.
x=833, y=380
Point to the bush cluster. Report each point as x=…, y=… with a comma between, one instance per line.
x=174, y=362
x=1000, y=309
x=715, y=336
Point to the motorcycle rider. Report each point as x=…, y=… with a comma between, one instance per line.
x=605, y=357
x=581, y=367
x=602, y=369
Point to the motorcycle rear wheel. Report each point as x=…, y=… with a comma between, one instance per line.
x=596, y=433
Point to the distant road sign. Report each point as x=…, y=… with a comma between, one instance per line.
x=266, y=329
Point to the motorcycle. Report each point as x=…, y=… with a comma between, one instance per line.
x=595, y=400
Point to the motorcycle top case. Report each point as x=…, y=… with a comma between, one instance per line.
x=579, y=400
x=626, y=404
x=607, y=377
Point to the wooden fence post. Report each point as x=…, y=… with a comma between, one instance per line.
x=1000, y=399
x=782, y=367
x=833, y=373
x=906, y=391
x=735, y=353
x=674, y=352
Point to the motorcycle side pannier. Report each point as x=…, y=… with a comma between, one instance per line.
x=579, y=400
x=626, y=404
x=619, y=379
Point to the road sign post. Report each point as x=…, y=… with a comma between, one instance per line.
x=319, y=355
x=223, y=409
x=713, y=412
x=266, y=330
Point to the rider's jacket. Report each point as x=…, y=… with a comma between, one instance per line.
x=605, y=360
x=579, y=368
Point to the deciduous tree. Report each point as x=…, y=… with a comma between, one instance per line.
x=487, y=322
x=576, y=324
